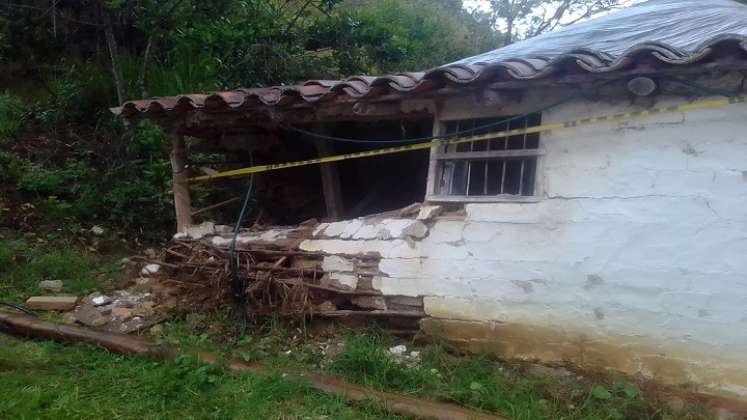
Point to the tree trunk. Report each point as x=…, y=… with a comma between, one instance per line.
x=111, y=43
x=144, y=68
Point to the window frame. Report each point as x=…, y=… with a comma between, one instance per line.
x=438, y=154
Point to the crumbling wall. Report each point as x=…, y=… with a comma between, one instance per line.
x=633, y=257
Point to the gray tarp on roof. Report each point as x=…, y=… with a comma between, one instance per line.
x=682, y=24
x=659, y=32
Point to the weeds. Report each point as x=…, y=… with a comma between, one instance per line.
x=506, y=389
x=43, y=380
x=366, y=360
x=23, y=266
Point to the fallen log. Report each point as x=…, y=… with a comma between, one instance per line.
x=25, y=326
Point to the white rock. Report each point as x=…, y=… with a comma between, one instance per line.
x=97, y=230
x=221, y=229
x=334, y=230
x=101, y=300
x=220, y=241
x=180, y=235
x=275, y=234
x=351, y=229
x=349, y=280
x=51, y=285
x=398, y=350
x=368, y=231
x=200, y=231
x=150, y=270
x=414, y=354
x=337, y=263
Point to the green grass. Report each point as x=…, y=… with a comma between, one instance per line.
x=23, y=266
x=42, y=380
x=502, y=388
x=366, y=359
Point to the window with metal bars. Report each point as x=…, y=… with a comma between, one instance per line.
x=501, y=167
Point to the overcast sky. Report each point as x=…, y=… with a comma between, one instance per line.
x=484, y=5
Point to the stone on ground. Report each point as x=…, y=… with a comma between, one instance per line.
x=54, y=286
x=51, y=303
x=398, y=350
x=150, y=270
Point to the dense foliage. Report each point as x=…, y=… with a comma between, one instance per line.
x=66, y=160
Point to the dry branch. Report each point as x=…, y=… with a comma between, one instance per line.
x=281, y=282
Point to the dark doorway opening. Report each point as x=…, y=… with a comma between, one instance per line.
x=381, y=183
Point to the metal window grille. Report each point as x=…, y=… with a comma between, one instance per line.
x=499, y=167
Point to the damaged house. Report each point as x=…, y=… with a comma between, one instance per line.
x=582, y=194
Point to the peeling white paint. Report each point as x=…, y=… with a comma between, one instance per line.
x=641, y=231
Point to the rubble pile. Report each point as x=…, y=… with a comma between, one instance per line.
x=139, y=307
x=275, y=278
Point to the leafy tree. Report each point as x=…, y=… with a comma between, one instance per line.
x=520, y=19
x=385, y=36
x=64, y=150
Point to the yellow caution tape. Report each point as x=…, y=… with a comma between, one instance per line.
x=716, y=103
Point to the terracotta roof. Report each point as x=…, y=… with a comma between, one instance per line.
x=660, y=33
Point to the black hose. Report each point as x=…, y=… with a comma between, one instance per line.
x=27, y=311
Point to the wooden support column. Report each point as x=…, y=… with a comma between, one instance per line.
x=180, y=187
x=432, y=180
x=330, y=179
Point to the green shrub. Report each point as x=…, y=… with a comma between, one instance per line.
x=81, y=92
x=13, y=167
x=138, y=193
x=70, y=179
x=10, y=253
x=67, y=193
x=12, y=115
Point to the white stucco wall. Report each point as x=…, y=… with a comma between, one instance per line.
x=639, y=242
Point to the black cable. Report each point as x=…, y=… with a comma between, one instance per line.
x=470, y=131
x=20, y=308
x=701, y=88
x=237, y=283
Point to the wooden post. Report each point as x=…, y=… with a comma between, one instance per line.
x=330, y=180
x=182, y=204
x=432, y=180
